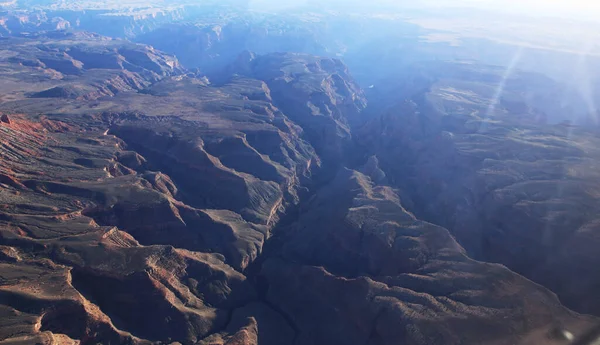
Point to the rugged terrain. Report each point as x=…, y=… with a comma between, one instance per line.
x=508, y=174
x=141, y=202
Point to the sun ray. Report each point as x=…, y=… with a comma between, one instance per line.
x=500, y=90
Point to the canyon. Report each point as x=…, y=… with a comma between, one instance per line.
x=269, y=197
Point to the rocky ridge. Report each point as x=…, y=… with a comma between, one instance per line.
x=513, y=183
x=183, y=209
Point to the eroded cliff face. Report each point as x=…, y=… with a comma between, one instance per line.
x=180, y=210
x=153, y=213
x=512, y=186
x=119, y=21
x=316, y=93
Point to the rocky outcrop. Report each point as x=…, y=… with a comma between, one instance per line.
x=17, y=22
x=196, y=170
x=110, y=196
x=213, y=47
x=122, y=82
x=316, y=93
x=247, y=335
x=40, y=304
x=81, y=66
x=173, y=208
x=86, y=273
x=403, y=280
x=123, y=22
x=5, y=119
x=511, y=189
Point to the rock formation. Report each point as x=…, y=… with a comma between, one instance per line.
x=141, y=203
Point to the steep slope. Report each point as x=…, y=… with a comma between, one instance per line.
x=213, y=47
x=78, y=66
x=357, y=268
x=83, y=192
x=316, y=93
x=513, y=187
x=119, y=20
x=46, y=221
x=180, y=210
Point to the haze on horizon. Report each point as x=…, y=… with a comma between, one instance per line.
x=574, y=9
